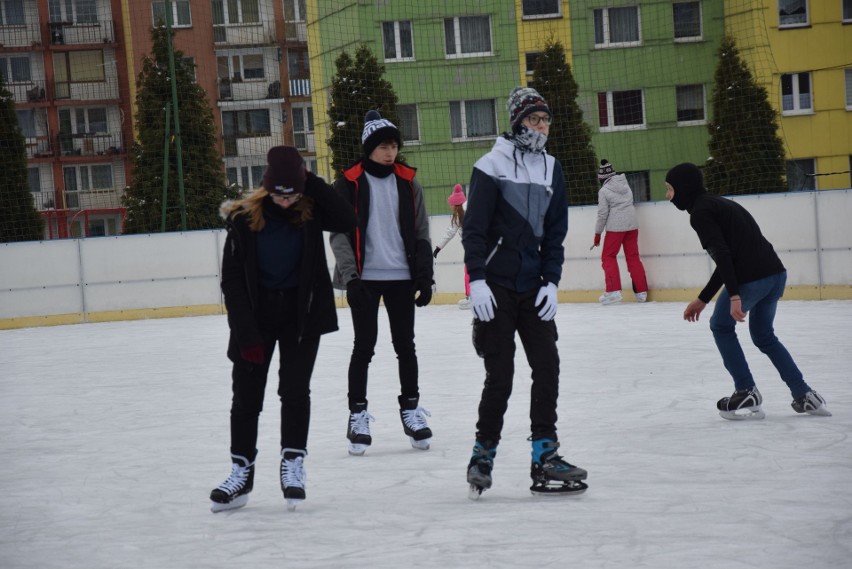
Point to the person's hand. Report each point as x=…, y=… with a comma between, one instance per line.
x=253, y=354
x=482, y=301
x=597, y=239
x=693, y=310
x=737, y=309
x=547, y=301
x=435, y=253
x=424, y=288
x=356, y=294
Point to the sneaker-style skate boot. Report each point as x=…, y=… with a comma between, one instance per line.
x=641, y=296
x=358, y=430
x=610, y=297
x=293, y=476
x=811, y=403
x=551, y=475
x=479, y=468
x=464, y=304
x=414, y=422
x=742, y=405
x=234, y=492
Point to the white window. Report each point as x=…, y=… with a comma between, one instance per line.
x=409, y=125
x=796, y=95
x=246, y=177
x=15, y=69
x=473, y=119
x=640, y=183
x=75, y=11
x=687, y=21
x=181, y=15
x=12, y=13
x=690, y=104
x=311, y=164
x=848, y=74
x=467, y=36
x=295, y=11
x=303, y=127
x=792, y=13
x=26, y=122
x=229, y=12
x=847, y=11
x=801, y=174
x=531, y=59
x=617, y=27
x=398, y=42
x=34, y=180
x=541, y=9
x=621, y=110
x=246, y=124
x=237, y=68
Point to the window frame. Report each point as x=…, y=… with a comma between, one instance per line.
x=846, y=11
x=463, y=121
x=605, y=30
x=799, y=164
x=548, y=15
x=796, y=95
x=610, y=112
x=8, y=70
x=397, y=34
x=687, y=39
x=847, y=76
x=4, y=14
x=416, y=122
x=247, y=113
x=175, y=12
x=530, y=65
x=457, y=54
x=692, y=122
x=793, y=25
x=307, y=113
x=641, y=192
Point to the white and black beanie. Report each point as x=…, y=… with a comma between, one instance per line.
x=606, y=171
x=522, y=102
x=376, y=131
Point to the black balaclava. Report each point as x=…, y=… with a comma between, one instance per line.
x=688, y=184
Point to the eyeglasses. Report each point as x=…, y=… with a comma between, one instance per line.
x=535, y=119
x=292, y=198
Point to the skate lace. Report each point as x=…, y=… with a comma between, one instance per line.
x=236, y=480
x=415, y=419
x=359, y=423
x=294, y=473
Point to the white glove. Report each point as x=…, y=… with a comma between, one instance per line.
x=482, y=301
x=547, y=300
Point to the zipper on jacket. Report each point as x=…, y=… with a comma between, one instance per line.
x=493, y=251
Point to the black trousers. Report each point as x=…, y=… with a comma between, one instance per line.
x=399, y=303
x=495, y=343
x=296, y=364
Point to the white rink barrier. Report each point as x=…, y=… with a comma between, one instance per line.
x=175, y=274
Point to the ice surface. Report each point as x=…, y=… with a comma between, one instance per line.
x=114, y=434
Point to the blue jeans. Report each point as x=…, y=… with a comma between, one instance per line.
x=760, y=299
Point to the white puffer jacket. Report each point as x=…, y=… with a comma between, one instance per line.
x=615, y=206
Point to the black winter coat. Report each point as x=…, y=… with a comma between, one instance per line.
x=317, y=311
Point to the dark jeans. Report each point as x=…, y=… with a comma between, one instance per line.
x=495, y=343
x=296, y=364
x=399, y=303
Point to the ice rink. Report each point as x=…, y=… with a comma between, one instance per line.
x=114, y=434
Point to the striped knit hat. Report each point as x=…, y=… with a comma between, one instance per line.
x=606, y=171
x=376, y=131
x=522, y=102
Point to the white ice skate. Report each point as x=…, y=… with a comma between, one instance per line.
x=610, y=297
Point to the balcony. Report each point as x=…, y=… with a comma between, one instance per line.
x=244, y=146
x=38, y=147
x=31, y=91
x=261, y=33
x=300, y=87
x=82, y=33
x=103, y=90
x=295, y=32
x=107, y=144
x=235, y=90
x=108, y=198
x=20, y=35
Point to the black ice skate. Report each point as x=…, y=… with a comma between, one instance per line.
x=293, y=476
x=742, y=405
x=479, y=468
x=811, y=403
x=414, y=422
x=234, y=492
x=358, y=430
x=553, y=476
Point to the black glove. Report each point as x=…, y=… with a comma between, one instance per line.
x=424, y=287
x=435, y=254
x=356, y=294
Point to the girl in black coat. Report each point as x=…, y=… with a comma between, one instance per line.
x=277, y=290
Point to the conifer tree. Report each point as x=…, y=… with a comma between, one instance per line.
x=203, y=177
x=570, y=138
x=746, y=152
x=19, y=219
x=357, y=87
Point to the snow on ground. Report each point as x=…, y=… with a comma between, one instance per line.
x=115, y=433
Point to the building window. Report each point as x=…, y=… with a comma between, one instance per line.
x=26, y=122
x=792, y=13
x=847, y=11
x=246, y=124
x=181, y=15
x=34, y=180
x=640, y=183
x=690, y=104
x=76, y=11
x=12, y=13
x=298, y=64
x=467, y=36
x=848, y=76
x=229, y=12
x=303, y=127
x=617, y=27
x=472, y=119
x=398, y=41
x=687, y=21
x=531, y=59
x=409, y=125
x=541, y=8
x=801, y=174
x=15, y=69
x=246, y=177
x=796, y=93
x=621, y=110
x=295, y=11
x=238, y=68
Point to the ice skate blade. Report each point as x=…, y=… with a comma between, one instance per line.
x=357, y=450
x=474, y=492
x=572, y=488
x=292, y=503
x=821, y=412
x=421, y=444
x=752, y=414
x=237, y=502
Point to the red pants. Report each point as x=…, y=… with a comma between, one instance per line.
x=612, y=244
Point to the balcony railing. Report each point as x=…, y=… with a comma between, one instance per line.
x=247, y=145
x=20, y=35
x=104, y=89
x=30, y=91
x=261, y=33
x=296, y=32
x=94, y=199
x=90, y=144
x=77, y=33
x=300, y=87
x=38, y=147
x=230, y=90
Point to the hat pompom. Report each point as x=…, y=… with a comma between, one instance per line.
x=372, y=115
x=457, y=197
